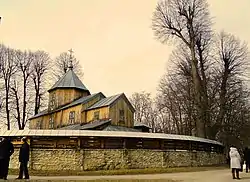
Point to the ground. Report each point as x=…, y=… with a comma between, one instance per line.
x=204, y=176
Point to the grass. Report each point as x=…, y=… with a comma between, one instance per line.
x=119, y=172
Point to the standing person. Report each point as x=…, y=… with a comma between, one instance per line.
x=1, y=158
x=8, y=151
x=247, y=158
x=235, y=162
x=24, y=159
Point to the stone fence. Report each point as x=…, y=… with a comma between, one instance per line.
x=105, y=159
x=103, y=150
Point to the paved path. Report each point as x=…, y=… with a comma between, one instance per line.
x=205, y=176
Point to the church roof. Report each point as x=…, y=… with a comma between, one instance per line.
x=81, y=100
x=91, y=125
x=139, y=124
x=105, y=101
x=109, y=101
x=69, y=80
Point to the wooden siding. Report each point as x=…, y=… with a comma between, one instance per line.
x=43, y=121
x=104, y=113
x=65, y=96
x=61, y=118
x=33, y=123
x=84, y=117
x=88, y=104
x=121, y=104
x=65, y=115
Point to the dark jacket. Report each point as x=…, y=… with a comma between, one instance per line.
x=6, y=149
x=24, y=152
x=247, y=155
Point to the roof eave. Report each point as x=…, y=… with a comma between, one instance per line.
x=50, y=90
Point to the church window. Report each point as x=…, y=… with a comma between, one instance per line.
x=53, y=100
x=39, y=125
x=51, y=123
x=121, y=115
x=72, y=117
x=96, y=115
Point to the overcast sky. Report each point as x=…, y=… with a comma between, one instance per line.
x=111, y=38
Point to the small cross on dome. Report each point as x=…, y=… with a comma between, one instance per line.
x=70, y=59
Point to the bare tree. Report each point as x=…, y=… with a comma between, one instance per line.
x=40, y=66
x=16, y=104
x=176, y=99
x=233, y=59
x=8, y=69
x=146, y=112
x=186, y=21
x=22, y=91
x=61, y=64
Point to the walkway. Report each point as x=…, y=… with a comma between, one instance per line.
x=205, y=176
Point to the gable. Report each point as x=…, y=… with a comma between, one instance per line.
x=110, y=101
x=125, y=99
x=105, y=102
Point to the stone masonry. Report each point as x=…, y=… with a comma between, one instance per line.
x=105, y=159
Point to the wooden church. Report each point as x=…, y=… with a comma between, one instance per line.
x=72, y=107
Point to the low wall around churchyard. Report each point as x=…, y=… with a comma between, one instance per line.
x=107, y=159
x=105, y=150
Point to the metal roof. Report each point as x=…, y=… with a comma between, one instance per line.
x=71, y=127
x=139, y=124
x=44, y=112
x=85, y=126
x=81, y=100
x=69, y=80
x=94, y=133
x=105, y=102
x=119, y=128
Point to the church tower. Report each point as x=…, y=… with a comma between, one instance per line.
x=67, y=89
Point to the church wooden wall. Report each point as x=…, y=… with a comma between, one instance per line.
x=128, y=114
x=65, y=96
x=104, y=113
x=65, y=115
x=33, y=122
x=44, y=122
x=85, y=106
x=61, y=118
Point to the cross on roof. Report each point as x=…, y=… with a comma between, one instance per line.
x=70, y=59
x=71, y=51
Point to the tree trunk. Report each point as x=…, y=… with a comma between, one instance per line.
x=7, y=102
x=200, y=125
x=24, y=103
x=17, y=109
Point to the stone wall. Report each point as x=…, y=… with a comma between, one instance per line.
x=99, y=159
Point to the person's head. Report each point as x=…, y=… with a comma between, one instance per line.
x=246, y=148
x=233, y=148
x=24, y=139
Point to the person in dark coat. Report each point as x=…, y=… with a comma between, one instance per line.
x=1, y=157
x=24, y=159
x=8, y=151
x=247, y=158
